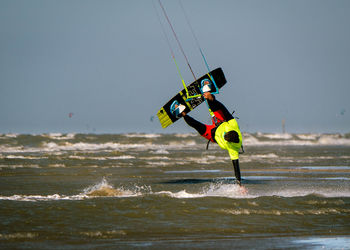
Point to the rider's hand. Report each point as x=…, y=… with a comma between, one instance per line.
x=208, y=96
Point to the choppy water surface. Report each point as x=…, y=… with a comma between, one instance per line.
x=72, y=191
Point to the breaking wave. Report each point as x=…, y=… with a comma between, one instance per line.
x=261, y=139
x=232, y=191
x=157, y=143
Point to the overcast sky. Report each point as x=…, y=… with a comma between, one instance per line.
x=108, y=63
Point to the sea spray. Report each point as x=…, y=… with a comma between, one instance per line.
x=103, y=188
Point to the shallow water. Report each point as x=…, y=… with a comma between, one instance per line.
x=72, y=191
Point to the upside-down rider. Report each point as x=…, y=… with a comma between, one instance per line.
x=225, y=131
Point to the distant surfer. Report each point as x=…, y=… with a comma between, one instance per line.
x=225, y=131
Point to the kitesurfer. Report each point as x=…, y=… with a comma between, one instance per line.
x=224, y=131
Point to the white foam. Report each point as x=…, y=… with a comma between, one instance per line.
x=142, y=135
x=333, y=140
x=276, y=136
x=152, y=158
x=19, y=166
x=193, y=171
x=82, y=146
x=232, y=191
x=11, y=135
x=298, y=140
x=225, y=190
x=264, y=156
x=102, y=184
x=205, y=159
x=23, y=157
x=186, y=135
x=180, y=195
x=161, y=151
x=9, y=149
x=111, y=191
x=182, y=143
x=318, y=211
x=59, y=136
x=87, y=193
x=310, y=137
x=53, y=147
x=214, y=190
x=41, y=197
x=122, y=157
x=325, y=192
x=161, y=163
x=249, y=139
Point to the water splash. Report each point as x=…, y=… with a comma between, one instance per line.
x=104, y=189
x=213, y=190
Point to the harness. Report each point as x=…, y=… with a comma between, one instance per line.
x=213, y=130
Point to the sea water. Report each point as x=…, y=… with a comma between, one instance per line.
x=79, y=191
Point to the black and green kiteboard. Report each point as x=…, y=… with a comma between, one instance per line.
x=166, y=118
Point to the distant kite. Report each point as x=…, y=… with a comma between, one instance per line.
x=70, y=115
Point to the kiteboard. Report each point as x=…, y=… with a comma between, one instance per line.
x=165, y=116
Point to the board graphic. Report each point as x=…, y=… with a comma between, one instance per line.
x=166, y=118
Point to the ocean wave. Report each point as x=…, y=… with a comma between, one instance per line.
x=159, y=143
x=100, y=189
x=83, y=146
x=261, y=139
x=22, y=157
x=162, y=163
x=60, y=136
x=19, y=166
x=185, y=135
x=161, y=151
x=276, y=136
x=213, y=190
x=155, y=158
x=9, y=135
x=310, y=137
x=207, y=159
x=108, y=146
x=232, y=191
x=321, y=192
x=19, y=197
x=142, y=135
x=101, y=158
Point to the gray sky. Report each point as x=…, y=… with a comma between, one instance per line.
x=108, y=63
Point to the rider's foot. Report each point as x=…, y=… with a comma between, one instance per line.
x=177, y=109
x=206, y=86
